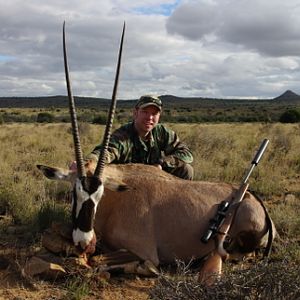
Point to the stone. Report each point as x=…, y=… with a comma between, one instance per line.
x=54, y=241
x=37, y=266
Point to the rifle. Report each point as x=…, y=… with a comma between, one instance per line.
x=221, y=224
x=222, y=221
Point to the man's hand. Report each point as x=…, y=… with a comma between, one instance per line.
x=73, y=166
x=89, y=165
x=158, y=166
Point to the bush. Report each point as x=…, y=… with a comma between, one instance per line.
x=290, y=116
x=17, y=117
x=17, y=203
x=45, y=117
x=51, y=212
x=101, y=119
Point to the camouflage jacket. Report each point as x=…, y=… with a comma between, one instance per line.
x=163, y=147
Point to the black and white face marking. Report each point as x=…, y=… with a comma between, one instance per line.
x=87, y=194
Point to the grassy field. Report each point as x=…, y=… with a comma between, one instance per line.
x=222, y=152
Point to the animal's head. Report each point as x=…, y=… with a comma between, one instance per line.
x=88, y=187
x=86, y=196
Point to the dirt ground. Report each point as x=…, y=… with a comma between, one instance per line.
x=14, y=287
x=16, y=248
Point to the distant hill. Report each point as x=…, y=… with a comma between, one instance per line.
x=169, y=101
x=46, y=102
x=288, y=95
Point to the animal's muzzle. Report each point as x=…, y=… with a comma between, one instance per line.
x=88, y=249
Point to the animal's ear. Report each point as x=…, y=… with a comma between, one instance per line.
x=115, y=185
x=57, y=173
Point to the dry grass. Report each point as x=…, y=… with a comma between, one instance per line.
x=23, y=190
x=222, y=152
x=277, y=280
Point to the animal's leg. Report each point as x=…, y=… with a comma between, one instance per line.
x=147, y=268
x=124, y=261
x=115, y=258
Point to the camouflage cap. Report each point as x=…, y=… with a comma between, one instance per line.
x=149, y=100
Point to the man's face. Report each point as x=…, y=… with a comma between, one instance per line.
x=145, y=119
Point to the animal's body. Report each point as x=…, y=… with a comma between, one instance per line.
x=162, y=218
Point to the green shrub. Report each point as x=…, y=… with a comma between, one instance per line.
x=17, y=202
x=17, y=117
x=101, y=119
x=290, y=116
x=52, y=212
x=45, y=117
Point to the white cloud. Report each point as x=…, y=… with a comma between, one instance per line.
x=213, y=48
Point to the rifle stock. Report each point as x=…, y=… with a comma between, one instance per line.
x=225, y=227
x=212, y=267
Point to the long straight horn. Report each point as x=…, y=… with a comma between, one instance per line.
x=75, y=131
x=100, y=166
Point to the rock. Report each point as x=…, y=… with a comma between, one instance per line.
x=65, y=230
x=53, y=241
x=45, y=255
x=37, y=266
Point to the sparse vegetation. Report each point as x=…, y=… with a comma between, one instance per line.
x=222, y=153
x=276, y=280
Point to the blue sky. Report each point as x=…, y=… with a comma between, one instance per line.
x=189, y=48
x=6, y=58
x=165, y=9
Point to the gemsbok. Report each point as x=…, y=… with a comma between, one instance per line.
x=155, y=216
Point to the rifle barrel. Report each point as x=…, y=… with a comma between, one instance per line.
x=256, y=158
x=260, y=151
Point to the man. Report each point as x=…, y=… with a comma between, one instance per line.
x=145, y=141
